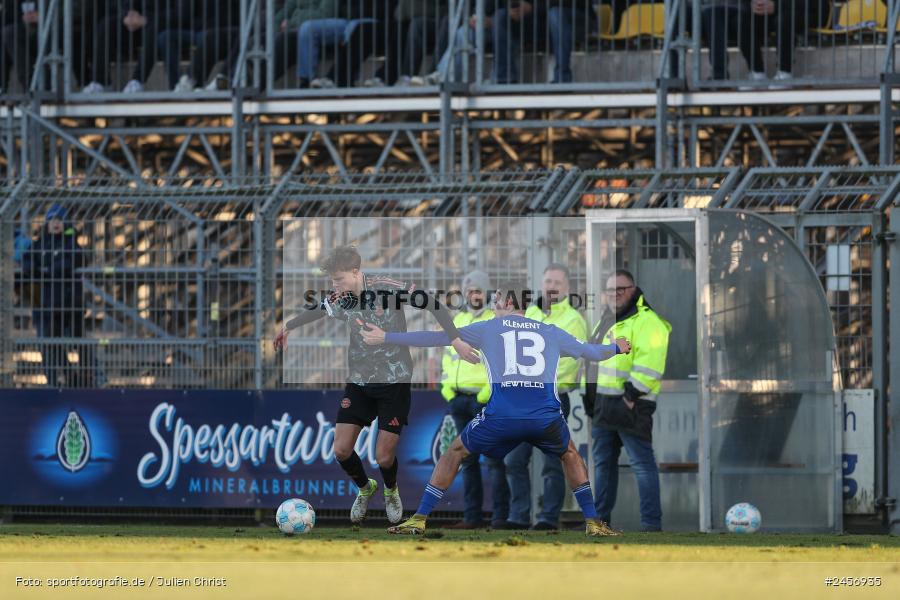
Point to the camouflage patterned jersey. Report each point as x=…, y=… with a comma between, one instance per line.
x=381, y=303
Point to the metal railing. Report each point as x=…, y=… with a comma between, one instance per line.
x=165, y=49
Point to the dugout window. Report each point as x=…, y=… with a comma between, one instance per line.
x=748, y=410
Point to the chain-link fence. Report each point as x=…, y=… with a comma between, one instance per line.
x=127, y=284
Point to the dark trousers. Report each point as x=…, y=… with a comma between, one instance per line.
x=606, y=447
x=723, y=25
x=381, y=37
x=421, y=39
x=113, y=42
x=463, y=409
x=19, y=46
x=55, y=323
x=209, y=47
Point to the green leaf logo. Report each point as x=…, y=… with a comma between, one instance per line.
x=445, y=435
x=73, y=447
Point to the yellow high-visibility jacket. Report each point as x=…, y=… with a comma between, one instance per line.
x=644, y=366
x=459, y=376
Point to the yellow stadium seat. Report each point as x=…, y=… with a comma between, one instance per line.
x=858, y=15
x=641, y=19
x=605, y=17
x=884, y=29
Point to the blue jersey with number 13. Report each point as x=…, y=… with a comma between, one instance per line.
x=521, y=356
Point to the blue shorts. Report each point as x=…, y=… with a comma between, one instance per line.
x=496, y=437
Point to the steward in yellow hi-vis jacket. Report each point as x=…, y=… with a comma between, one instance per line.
x=621, y=395
x=465, y=387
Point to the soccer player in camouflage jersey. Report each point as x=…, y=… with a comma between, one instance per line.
x=379, y=380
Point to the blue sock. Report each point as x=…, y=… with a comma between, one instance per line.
x=586, y=500
x=430, y=499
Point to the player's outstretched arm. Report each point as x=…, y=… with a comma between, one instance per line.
x=307, y=316
x=599, y=352
x=374, y=335
x=569, y=346
x=445, y=319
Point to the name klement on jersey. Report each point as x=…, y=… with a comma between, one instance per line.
x=521, y=324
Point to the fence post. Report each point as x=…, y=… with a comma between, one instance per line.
x=258, y=324
x=893, y=457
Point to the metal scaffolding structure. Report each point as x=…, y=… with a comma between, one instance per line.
x=648, y=105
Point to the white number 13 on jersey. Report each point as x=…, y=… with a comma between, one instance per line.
x=534, y=351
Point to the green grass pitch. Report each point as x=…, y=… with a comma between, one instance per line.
x=338, y=562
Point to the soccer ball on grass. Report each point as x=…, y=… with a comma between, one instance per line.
x=743, y=518
x=295, y=516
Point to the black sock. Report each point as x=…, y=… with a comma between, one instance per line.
x=389, y=475
x=353, y=467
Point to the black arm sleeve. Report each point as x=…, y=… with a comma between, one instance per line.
x=440, y=312
x=307, y=316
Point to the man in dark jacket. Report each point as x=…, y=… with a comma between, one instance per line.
x=51, y=265
x=621, y=396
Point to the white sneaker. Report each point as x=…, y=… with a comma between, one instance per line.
x=321, y=83
x=403, y=81
x=92, y=88
x=361, y=504
x=133, y=87
x=430, y=79
x=754, y=76
x=185, y=84
x=219, y=82
x=393, y=506
x=781, y=76
x=373, y=82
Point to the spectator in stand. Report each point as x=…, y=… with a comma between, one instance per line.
x=19, y=39
x=725, y=20
x=751, y=22
x=51, y=266
x=212, y=28
x=464, y=37
x=126, y=30
x=288, y=20
x=379, y=36
x=505, y=21
x=19, y=24
x=565, y=20
x=418, y=21
x=342, y=34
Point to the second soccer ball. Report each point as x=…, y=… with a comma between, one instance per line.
x=743, y=518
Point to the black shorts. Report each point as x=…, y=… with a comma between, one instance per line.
x=390, y=403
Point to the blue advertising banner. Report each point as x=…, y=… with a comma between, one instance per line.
x=211, y=448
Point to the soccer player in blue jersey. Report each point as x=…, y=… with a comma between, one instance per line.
x=521, y=357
